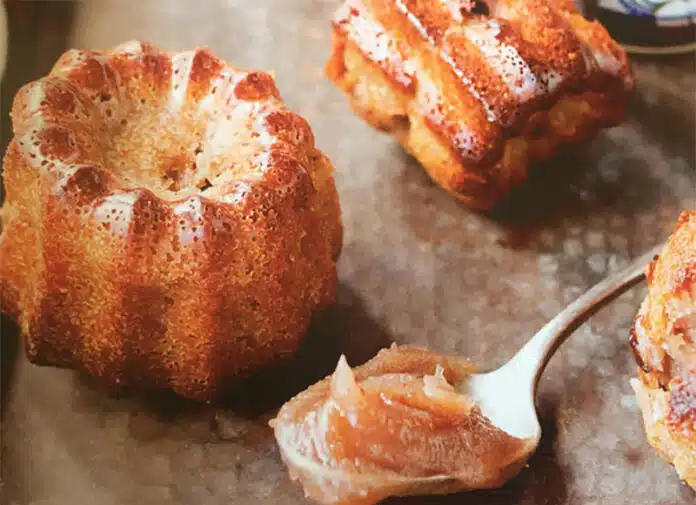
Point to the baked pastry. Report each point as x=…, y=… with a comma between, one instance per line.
x=663, y=340
x=394, y=426
x=168, y=223
x=477, y=91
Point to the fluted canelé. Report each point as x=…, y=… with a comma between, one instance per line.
x=663, y=342
x=168, y=223
x=479, y=90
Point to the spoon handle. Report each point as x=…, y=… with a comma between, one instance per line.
x=538, y=351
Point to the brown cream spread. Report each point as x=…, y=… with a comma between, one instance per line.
x=394, y=426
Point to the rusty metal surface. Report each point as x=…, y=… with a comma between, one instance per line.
x=417, y=267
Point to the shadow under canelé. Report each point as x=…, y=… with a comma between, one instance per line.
x=344, y=328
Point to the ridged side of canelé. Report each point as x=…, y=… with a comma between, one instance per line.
x=477, y=98
x=151, y=287
x=663, y=340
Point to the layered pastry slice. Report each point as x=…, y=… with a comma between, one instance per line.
x=663, y=341
x=478, y=91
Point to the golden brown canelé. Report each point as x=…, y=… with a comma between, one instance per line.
x=478, y=91
x=168, y=222
x=663, y=342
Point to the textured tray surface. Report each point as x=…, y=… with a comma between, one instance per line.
x=417, y=268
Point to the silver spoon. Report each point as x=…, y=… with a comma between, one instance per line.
x=506, y=395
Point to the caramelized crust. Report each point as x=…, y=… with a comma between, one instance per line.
x=168, y=222
x=663, y=341
x=475, y=97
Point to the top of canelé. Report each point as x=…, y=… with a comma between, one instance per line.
x=178, y=125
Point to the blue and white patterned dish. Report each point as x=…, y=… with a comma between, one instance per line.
x=650, y=26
